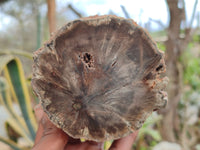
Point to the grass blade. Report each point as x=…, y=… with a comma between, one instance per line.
x=17, y=123
x=4, y=60
x=12, y=144
x=19, y=130
x=16, y=52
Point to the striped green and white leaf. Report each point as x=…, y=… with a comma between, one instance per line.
x=13, y=89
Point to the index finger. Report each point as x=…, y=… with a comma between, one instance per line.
x=48, y=135
x=39, y=114
x=124, y=143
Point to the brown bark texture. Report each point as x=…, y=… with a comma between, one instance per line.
x=175, y=46
x=51, y=15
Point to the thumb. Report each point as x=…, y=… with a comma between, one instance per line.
x=51, y=137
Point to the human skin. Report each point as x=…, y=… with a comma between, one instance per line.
x=50, y=137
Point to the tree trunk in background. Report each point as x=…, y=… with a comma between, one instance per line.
x=175, y=45
x=39, y=37
x=51, y=15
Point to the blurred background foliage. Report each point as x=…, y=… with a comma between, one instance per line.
x=26, y=24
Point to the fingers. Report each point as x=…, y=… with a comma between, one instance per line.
x=124, y=143
x=38, y=114
x=73, y=141
x=48, y=136
x=52, y=141
x=88, y=145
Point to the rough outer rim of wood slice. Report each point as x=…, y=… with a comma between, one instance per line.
x=98, y=78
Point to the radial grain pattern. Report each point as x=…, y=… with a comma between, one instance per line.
x=98, y=78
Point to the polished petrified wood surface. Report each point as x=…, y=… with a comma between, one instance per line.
x=98, y=78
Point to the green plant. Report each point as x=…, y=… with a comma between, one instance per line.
x=14, y=90
x=161, y=46
x=192, y=70
x=148, y=135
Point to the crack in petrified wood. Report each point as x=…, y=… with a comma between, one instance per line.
x=99, y=77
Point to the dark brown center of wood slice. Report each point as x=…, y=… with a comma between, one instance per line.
x=77, y=106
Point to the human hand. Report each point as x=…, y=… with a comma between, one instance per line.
x=50, y=137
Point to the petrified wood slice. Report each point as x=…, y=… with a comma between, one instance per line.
x=98, y=78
